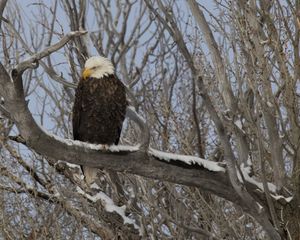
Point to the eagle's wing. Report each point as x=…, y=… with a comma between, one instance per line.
x=122, y=102
x=77, y=109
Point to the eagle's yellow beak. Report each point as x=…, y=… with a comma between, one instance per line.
x=86, y=73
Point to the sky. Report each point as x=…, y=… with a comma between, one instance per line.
x=31, y=13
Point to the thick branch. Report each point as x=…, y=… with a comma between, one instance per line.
x=137, y=162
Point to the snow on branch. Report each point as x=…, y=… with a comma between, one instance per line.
x=76, y=152
x=211, y=166
x=99, y=147
x=187, y=159
x=246, y=171
x=279, y=197
x=109, y=206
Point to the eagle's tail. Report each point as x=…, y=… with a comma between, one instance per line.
x=90, y=174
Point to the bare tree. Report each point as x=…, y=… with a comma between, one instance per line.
x=216, y=84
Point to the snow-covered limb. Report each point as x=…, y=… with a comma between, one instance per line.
x=238, y=123
x=70, y=165
x=123, y=148
x=110, y=148
x=95, y=186
x=211, y=166
x=188, y=159
x=246, y=171
x=109, y=206
x=278, y=197
x=260, y=207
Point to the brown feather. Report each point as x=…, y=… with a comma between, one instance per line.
x=99, y=110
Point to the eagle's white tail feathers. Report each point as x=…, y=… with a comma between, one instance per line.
x=90, y=175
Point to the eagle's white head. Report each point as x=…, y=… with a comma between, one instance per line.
x=97, y=67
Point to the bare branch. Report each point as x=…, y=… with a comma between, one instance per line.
x=136, y=162
x=133, y=115
x=32, y=61
x=256, y=210
x=224, y=84
x=130, y=162
x=242, y=96
x=2, y=7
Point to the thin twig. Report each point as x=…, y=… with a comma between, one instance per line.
x=145, y=139
x=32, y=61
x=2, y=7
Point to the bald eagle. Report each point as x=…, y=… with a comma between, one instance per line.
x=99, y=108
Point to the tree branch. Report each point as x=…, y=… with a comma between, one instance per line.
x=2, y=7
x=224, y=84
x=134, y=116
x=136, y=162
x=32, y=61
x=254, y=208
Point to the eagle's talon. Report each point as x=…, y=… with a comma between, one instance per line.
x=105, y=147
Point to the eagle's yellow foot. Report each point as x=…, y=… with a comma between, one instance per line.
x=105, y=147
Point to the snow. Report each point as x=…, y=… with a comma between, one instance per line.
x=239, y=176
x=109, y=206
x=212, y=166
x=95, y=186
x=109, y=148
x=246, y=170
x=288, y=199
x=123, y=148
x=77, y=143
x=277, y=197
x=71, y=165
x=260, y=207
x=249, y=225
x=131, y=192
x=269, y=104
x=55, y=191
x=249, y=161
x=239, y=124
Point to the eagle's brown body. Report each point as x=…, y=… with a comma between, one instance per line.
x=99, y=110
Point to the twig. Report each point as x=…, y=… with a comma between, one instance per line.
x=5, y=112
x=2, y=7
x=265, y=183
x=224, y=83
x=33, y=60
x=18, y=139
x=256, y=210
x=133, y=115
